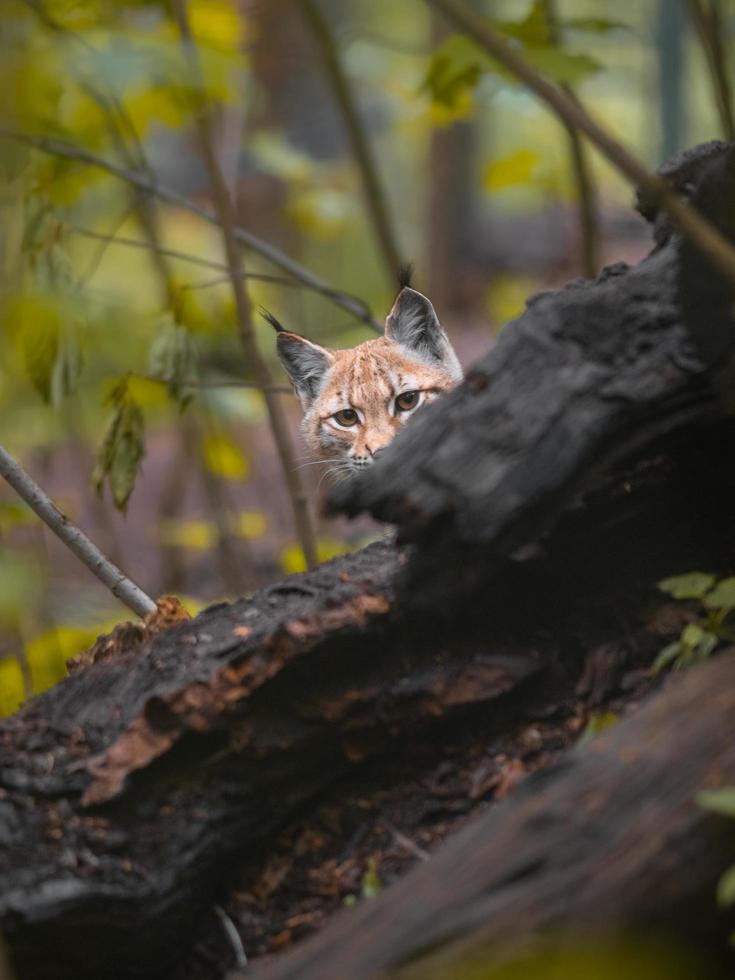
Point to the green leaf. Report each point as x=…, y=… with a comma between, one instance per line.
x=454, y=70
x=721, y=801
x=726, y=889
x=561, y=66
x=123, y=448
x=691, y=636
x=691, y=586
x=596, y=725
x=722, y=596
x=39, y=339
x=667, y=656
x=67, y=368
x=370, y=881
x=533, y=31
x=173, y=355
x=594, y=25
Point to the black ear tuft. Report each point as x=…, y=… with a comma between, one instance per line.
x=405, y=275
x=269, y=318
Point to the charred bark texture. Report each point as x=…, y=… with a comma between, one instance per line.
x=609, y=844
x=586, y=457
x=588, y=374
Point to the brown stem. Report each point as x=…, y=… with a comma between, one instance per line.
x=375, y=198
x=226, y=218
x=720, y=252
x=234, y=578
x=708, y=25
x=589, y=225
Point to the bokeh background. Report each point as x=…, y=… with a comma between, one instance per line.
x=352, y=135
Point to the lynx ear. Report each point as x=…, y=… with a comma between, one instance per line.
x=306, y=364
x=413, y=323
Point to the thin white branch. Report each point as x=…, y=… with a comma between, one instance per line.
x=75, y=539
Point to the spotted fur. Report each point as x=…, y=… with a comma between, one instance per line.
x=352, y=399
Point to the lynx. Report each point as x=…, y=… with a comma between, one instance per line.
x=356, y=401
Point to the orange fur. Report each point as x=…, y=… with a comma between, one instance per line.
x=413, y=356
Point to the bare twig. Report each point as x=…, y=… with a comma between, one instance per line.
x=75, y=539
x=196, y=383
x=589, y=225
x=708, y=25
x=720, y=252
x=60, y=148
x=173, y=253
x=226, y=218
x=241, y=960
x=375, y=198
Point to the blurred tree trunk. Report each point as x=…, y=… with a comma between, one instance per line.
x=671, y=30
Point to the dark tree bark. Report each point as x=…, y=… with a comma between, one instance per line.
x=588, y=374
x=609, y=844
x=586, y=457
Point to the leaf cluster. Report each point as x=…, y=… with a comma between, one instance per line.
x=716, y=601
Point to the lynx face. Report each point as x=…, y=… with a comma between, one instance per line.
x=355, y=401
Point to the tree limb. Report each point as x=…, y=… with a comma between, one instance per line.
x=572, y=113
x=226, y=218
x=54, y=147
x=75, y=539
x=375, y=198
x=707, y=23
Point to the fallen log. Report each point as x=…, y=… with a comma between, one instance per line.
x=588, y=374
x=130, y=793
x=610, y=846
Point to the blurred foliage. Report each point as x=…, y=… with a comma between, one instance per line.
x=698, y=639
x=722, y=802
x=111, y=356
x=604, y=958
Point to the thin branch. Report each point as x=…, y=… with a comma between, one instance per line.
x=720, y=252
x=375, y=198
x=226, y=218
x=193, y=383
x=105, y=241
x=75, y=539
x=589, y=224
x=60, y=148
x=708, y=25
x=172, y=253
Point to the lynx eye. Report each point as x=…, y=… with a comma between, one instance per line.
x=407, y=400
x=347, y=417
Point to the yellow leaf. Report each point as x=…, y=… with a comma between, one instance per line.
x=506, y=298
x=292, y=556
x=12, y=692
x=323, y=213
x=216, y=22
x=441, y=114
x=250, y=524
x=224, y=458
x=146, y=393
x=510, y=171
x=48, y=652
x=193, y=535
